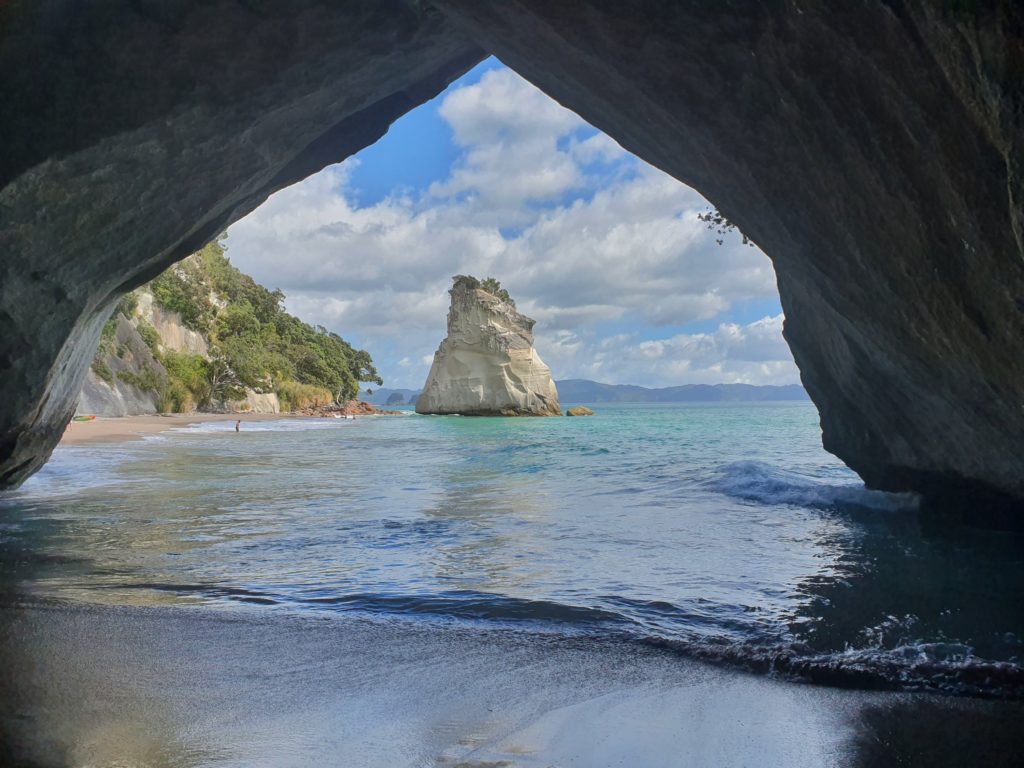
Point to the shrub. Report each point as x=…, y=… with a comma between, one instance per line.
x=109, y=328
x=175, y=398
x=102, y=370
x=295, y=396
x=188, y=379
x=149, y=336
x=180, y=289
x=127, y=305
x=108, y=338
x=146, y=380
x=467, y=281
x=491, y=285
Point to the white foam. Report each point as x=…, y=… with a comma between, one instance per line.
x=270, y=425
x=757, y=481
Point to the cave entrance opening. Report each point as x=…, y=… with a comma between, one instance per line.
x=864, y=165
x=629, y=279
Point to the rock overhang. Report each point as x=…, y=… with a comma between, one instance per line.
x=874, y=152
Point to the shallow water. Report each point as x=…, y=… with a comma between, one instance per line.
x=718, y=531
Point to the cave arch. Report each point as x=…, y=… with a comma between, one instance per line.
x=874, y=152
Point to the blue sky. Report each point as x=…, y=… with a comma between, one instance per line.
x=416, y=151
x=494, y=178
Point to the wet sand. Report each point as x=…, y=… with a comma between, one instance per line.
x=134, y=427
x=190, y=687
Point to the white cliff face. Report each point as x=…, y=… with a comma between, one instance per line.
x=487, y=365
x=174, y=335
x=256, y=402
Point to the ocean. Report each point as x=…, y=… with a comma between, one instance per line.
x=718, y=532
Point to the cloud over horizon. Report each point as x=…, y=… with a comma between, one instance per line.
x=604, y=251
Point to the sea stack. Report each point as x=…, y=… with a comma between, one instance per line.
x=487, y=365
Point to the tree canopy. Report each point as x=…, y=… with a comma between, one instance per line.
x=490, y=284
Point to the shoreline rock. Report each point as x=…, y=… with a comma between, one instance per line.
x=351, y=408
x=579, y=410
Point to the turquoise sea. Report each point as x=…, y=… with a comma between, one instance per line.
x=720, y=531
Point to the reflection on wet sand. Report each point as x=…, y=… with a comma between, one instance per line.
x=478, y=491
x=183, y=687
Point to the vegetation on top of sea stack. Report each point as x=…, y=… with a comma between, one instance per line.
x=490, y=285
x=253, y=343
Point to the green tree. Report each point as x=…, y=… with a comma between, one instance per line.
x=493, y=287
x=224, y=383
x=238, y=319
x=490, y=284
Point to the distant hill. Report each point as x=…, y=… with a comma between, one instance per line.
x=386, y=396
x=585, y=391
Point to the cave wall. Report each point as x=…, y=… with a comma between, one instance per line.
x=874, y=150
x=134, y=131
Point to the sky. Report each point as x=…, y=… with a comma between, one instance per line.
x=494, y=178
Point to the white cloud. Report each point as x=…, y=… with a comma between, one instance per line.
x=598, y=148
x=749, y=354
x=583, y=234
x=503, y=107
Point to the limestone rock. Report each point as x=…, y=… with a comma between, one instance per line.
x=174, y=335
x=487, y=365
x=579, y=410
x=256, y=402
x=122, y=388
x=126, y=368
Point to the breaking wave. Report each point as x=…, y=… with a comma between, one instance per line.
x=766, y=484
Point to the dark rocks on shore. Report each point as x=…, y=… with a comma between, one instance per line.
x=351, y=408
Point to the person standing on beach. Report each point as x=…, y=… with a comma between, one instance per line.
x=238, y=426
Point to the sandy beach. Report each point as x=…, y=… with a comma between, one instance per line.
x=134, y=427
